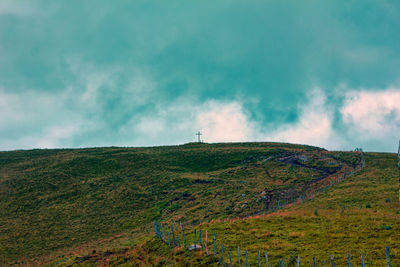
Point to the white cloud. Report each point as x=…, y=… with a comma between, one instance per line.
x=46, y=119
x=36, y=120
x=315, y=124
x=224, y=122
x=177, y=122
x=373, y=114
x=228, y=121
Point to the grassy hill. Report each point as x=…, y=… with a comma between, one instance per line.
x=359, y=216
x=101, y=202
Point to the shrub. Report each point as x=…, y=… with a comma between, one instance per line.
x=386, y=227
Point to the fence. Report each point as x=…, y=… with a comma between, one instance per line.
x=221, y=255
x=322, y=187
x=276, y=205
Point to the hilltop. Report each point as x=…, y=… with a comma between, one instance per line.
x=100, y=203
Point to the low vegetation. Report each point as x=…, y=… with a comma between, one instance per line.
x=96, y=206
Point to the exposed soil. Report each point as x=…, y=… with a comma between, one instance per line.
x=287, y=194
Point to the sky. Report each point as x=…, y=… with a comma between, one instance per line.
x=146, y=73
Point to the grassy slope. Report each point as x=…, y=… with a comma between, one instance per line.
x=57, y=201
x=358, y=216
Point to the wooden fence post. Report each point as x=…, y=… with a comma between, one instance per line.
x=195, y=239
x=238, y=257
x=155, y=228
x=348, y=260
x=162, y=233
x=177, y=234
x=206, y=244
x=332, y=261
x=266, y=259
x=388, y=256
x=247, y=260
x=159, y=231
x=230, y=259
x=201, y=244
x=183, y=233
x=314, y=263
x=169, y=242
x=173, y=234
x=215, y=245
x=258, y=256
x=222, y=252
x=398, y=155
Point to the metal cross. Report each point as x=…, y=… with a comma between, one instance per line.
x=198, y=136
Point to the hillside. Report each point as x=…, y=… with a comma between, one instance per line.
x=57, y=202
x=359, y=216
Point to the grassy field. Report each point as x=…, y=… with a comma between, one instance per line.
x=359, y=216
x=94, y=206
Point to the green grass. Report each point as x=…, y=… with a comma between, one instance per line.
x=65, y=202
x=359, y=216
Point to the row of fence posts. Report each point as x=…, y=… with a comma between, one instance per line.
x=281, y=203
x=278, y=204
x=160, y=234
x=176, y=242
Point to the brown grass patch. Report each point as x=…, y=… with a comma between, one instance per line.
x=296, y=234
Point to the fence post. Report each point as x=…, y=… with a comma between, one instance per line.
x=313, y=259
x=195, y=239
x=238, y=257
x=184, y=237
x=332, y=261
x=298, y=261
x=162, y=233
x=398, y=154
x=362, y=261
x=388, y=256
x=173, y=234
x=223, y=258
x=206, y=244
x=169, y=242
x=247, y=260
x=155, y=228
x=215, y=246
x=230, y=259
x=258, y=256
x=201, y=244
x=266, y=259
x=348, y=260
x=177, y=234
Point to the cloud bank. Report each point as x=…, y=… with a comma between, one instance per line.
x=135, y=73
x=365, y=118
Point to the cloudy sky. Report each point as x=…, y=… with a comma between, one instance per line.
x=144, y=73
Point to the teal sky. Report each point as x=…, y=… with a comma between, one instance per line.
x=144, y=73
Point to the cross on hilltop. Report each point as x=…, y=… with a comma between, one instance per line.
x=198, y=136
x=398, y=154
